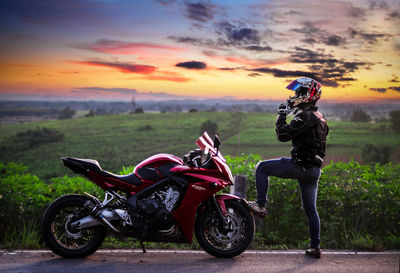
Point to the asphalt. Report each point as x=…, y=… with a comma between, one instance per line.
x=156, y=261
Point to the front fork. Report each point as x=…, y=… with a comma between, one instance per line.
x=218, y=203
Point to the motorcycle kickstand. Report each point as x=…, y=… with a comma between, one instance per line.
x=142, y=237
x=142, y=245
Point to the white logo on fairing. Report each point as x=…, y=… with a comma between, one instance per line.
x=198, y=188
x=297, y=119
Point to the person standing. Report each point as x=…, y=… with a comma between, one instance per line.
x=307, y=131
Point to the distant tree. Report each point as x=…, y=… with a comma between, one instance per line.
x=133, y=103
x=374, y=154
x=90, y=114
x=237, y=118
x=139, y=111
x=359, y=115
x=257, y=109
x=210, y=127
x=66, y=113
x=193, y=110
x=395, y=120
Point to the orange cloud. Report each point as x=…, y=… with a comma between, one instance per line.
x=122, y=67
x=123, y=48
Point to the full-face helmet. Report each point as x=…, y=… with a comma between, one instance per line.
x=306, y=90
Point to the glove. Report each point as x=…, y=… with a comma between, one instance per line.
x=284, y=109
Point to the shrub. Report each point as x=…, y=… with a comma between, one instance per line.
x=359, y=115
x=67, y=113
x=374, y=154
x=210, y=127
x=31, y=139
x=395, y=120
x=357, y=204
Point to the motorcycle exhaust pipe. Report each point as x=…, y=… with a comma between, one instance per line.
x=104, y=217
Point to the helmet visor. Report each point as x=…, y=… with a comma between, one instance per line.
x=294, y=85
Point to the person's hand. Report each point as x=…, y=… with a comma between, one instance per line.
x=284, y=109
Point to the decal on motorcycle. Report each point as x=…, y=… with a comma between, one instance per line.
x=198, y=188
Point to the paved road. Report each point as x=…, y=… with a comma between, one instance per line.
x=156, y=261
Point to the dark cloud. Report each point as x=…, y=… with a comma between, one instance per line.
x=369, y=38
x=308, y=28
x=334, y=40
x=258, y=48
x=373, y=5
x=227, y=68
x=329, y=70
x=310, y=41
x=394, y=78
x=254, y=74
x=394, y=15
x=194, y=41
x=192, y=65
x=395, y=88
x=237, y=34
x=200, y=11
x=379, y=90
x=284, y=73
x=356, y=12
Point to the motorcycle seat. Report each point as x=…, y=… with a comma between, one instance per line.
x=131, y=178
x=80, y=165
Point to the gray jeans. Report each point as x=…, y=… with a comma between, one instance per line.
x=308, y=181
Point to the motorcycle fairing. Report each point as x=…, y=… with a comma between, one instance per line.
x=186, y=217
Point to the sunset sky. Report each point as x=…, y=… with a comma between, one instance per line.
x=175, y=49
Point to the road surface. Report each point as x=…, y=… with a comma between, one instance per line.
x=156, y=261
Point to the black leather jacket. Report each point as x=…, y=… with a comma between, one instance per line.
x=308, y=131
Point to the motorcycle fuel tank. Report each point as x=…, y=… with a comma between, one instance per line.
x=157, y=166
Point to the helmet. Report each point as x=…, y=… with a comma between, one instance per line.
x=306, y=90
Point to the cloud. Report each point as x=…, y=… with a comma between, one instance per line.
x=237, y=34
x=379, y=90
x=192, y=65
x=122, y=47
x=369, y=38
x=254, y=74
x=334, y=40
x=395, y=88
x=326, y=67
x=384, y=90
x=283, y=73
x=200, y=11
x=258, y=48
x=394, y=78
x=122, y=67
x=127, y=92
x=111, y=90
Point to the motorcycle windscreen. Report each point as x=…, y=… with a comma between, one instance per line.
x=205, y=143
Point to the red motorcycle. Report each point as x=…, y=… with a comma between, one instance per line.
x=165, y=199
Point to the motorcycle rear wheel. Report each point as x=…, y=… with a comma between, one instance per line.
x=60, y=237
x=222, y=243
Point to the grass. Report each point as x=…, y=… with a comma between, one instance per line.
x=117, y=140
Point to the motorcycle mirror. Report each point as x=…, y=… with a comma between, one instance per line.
x=217, y=142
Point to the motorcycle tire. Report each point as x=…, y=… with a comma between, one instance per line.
x=58, y=234
x=222, y=243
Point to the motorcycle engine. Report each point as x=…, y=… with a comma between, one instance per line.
x=158, y=206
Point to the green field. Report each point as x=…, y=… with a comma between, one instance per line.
x=122, y=140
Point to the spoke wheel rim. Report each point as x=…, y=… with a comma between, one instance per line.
x=221, y=239
x=62, y=232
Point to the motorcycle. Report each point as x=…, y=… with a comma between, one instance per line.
x=165, y=199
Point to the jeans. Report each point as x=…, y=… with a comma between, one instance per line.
x=308, y=181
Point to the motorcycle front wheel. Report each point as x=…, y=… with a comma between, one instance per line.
x=225, y=242
x=58, y=234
